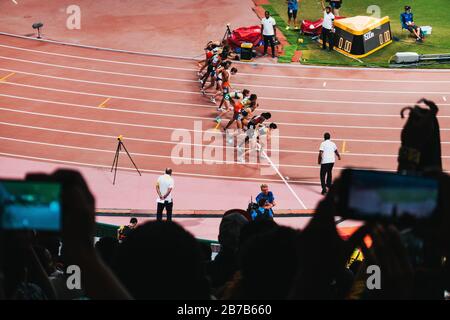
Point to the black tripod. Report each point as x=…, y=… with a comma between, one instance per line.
x=120, y=145
x=227, y=33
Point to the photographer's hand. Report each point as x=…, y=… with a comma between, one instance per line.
x=389, y=254
x=78, y=206
x=323, y=253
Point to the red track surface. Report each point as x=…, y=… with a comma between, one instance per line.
x=50, y=109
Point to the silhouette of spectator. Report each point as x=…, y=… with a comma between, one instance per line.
x=268, y=265
x=161, y=260
x=107, y=249
x=225, y=264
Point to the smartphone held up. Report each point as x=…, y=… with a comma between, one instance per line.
x=388, y=197
x=30, y=205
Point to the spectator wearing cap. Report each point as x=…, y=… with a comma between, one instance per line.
x=407, y=20
x=268, y=32
x=164, y=187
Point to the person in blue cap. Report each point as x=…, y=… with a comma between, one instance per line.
x=407, y=20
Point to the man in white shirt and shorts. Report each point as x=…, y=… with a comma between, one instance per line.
x=164, y=187
x=327, y=153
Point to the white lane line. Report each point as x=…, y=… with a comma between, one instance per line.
x=209, y=107
x=179, y=143
x=96, y=59
x=445, y=98
x=148, y=100
x=170, y=128
x=84, y=46
x=241, y=85
x=242, y=73
x=158, y=171
x=274, y=167
x=313, y=125
x=190, y=160
x=96, y=70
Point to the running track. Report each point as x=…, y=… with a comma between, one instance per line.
x=67, y=104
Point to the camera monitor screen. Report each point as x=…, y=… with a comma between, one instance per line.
x=26, y=205
x=390, y=195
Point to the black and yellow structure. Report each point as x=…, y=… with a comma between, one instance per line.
x=246, y=51
x=361, y=36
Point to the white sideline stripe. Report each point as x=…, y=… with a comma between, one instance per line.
x=243, y=85
x=150, y=170
x=242, y=73
x=169, y=128
x=315, y=167
x=274, y=167
x=209, y=107
x=281, y=65
x=149, y=100
x=181, y=143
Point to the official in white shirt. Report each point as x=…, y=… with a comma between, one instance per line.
x=327, y=28
x=164, y=187
x=268, y=32
x=327, y=153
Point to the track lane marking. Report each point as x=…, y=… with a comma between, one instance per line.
x=242, y=73
x=181, y=143
x=170, y=128
x=243, y=85
x=149, y=100
x=152, y=171
x=192, y=159
x=7, y=76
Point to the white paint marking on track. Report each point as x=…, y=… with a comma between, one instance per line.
x=209, y=107
x=313, y=125
x=243, y=85
x=242, y=73
x=163, y=156
x=178, y=143
x=189, y=130
x=159, y=55
x=149, y=100
x=158, y=171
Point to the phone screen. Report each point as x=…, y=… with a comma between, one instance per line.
x=30, y=205
x=390, y=195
